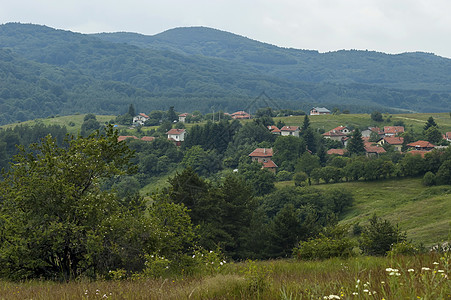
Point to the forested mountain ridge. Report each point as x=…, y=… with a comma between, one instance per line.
x=45, y=71
x=404, y=71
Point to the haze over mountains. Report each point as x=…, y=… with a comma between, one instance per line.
x=45, y=71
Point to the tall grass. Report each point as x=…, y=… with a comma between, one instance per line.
x=425, y=276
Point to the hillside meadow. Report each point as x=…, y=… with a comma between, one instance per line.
x=423, y=276
x=423, y=212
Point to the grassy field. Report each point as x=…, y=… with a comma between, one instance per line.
x=412, y=277
x=328, y=122
x=72, y=122
x=424, y=212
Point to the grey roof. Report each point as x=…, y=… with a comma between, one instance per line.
x=321, y=109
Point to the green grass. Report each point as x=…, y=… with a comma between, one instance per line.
x=328, y=122
x=354, y=278
x=424, y=212
x=76, y=120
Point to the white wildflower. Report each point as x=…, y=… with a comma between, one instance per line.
x=410, y=270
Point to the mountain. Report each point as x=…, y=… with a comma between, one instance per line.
x=45, y=71
x=401, y=71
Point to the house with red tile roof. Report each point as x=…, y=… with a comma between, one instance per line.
x=395, y=141
x=274, y=129
x=289, y=130
x=240, y=115
x=374, y=150
x=182, y=117
x=393, y=130
x=263, y=156
x=421, y=145
x=418, y=152
x=447, y=136
x=124, y=137
x=337, y=134
x=140, y=119
x=336, y=152
x=148, y=138
x=176, y=135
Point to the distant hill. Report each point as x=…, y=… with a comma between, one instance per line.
x=417, y=70
x=45, y=71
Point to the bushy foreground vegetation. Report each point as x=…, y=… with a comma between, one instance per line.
x=424, y=276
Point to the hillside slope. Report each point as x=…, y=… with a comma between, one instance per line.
x=45, y=71
x=403, y=71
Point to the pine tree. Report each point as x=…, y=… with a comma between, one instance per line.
x=131, y=110
x=355, y=144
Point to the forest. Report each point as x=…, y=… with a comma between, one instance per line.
x=71, y=205
x=47, y=72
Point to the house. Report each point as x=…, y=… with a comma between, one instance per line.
x=176, y=135
x=393, y=130
x=274, y=129
x=418, y=152
x=182, y=117
x=374, y=150
x=124, y=137
x=367, y=132
x=395, y=141
x=421, y=145
x=140, y=119
x=336, y=152
x=319, y=111
x=289, y=130
x=240, y=115
x=264, y=155
x=148, y=138
x=447, y=136
x=337, y=134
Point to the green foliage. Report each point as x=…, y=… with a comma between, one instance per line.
x=202, y=162
x=403, y=248
x=299, y=178
x=429, y=179
x=355, y=144
x=332, y=242
x=433, y=135
x=284, y=175
x=379, y=235
x=376, y=116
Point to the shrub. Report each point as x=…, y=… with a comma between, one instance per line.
x=330, y=243
x=429, y=179
x=402, y=248
x=299, y=178
x=284, y=176
x=378, y=236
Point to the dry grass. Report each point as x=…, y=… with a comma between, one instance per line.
x=279, y=279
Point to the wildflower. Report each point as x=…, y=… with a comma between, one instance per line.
x=440, y=271
x=435, y=263
x=365, y=291
x=410, y=270
x=355, y=293
x=221, y=263
x=194, y=255
x=104, y=296
x=382, y=282
x=425, y=269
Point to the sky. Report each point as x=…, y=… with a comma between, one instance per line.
x=390, y=26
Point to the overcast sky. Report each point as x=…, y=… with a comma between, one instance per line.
x=391, y=26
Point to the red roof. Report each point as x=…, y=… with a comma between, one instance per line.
x=184, y=115
x=240, y=115
x=447, y=136
x=421, y=144
x=262, y=152
x=175, y=131
x=374, y=149
x=269, y=164
x=289, y=128
x=273, y=128
x=147, y=138
x=393, y=129
x=124, y=137
x=394, y=140
x=144, y=115
x=336, y=151
x=334, y=133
